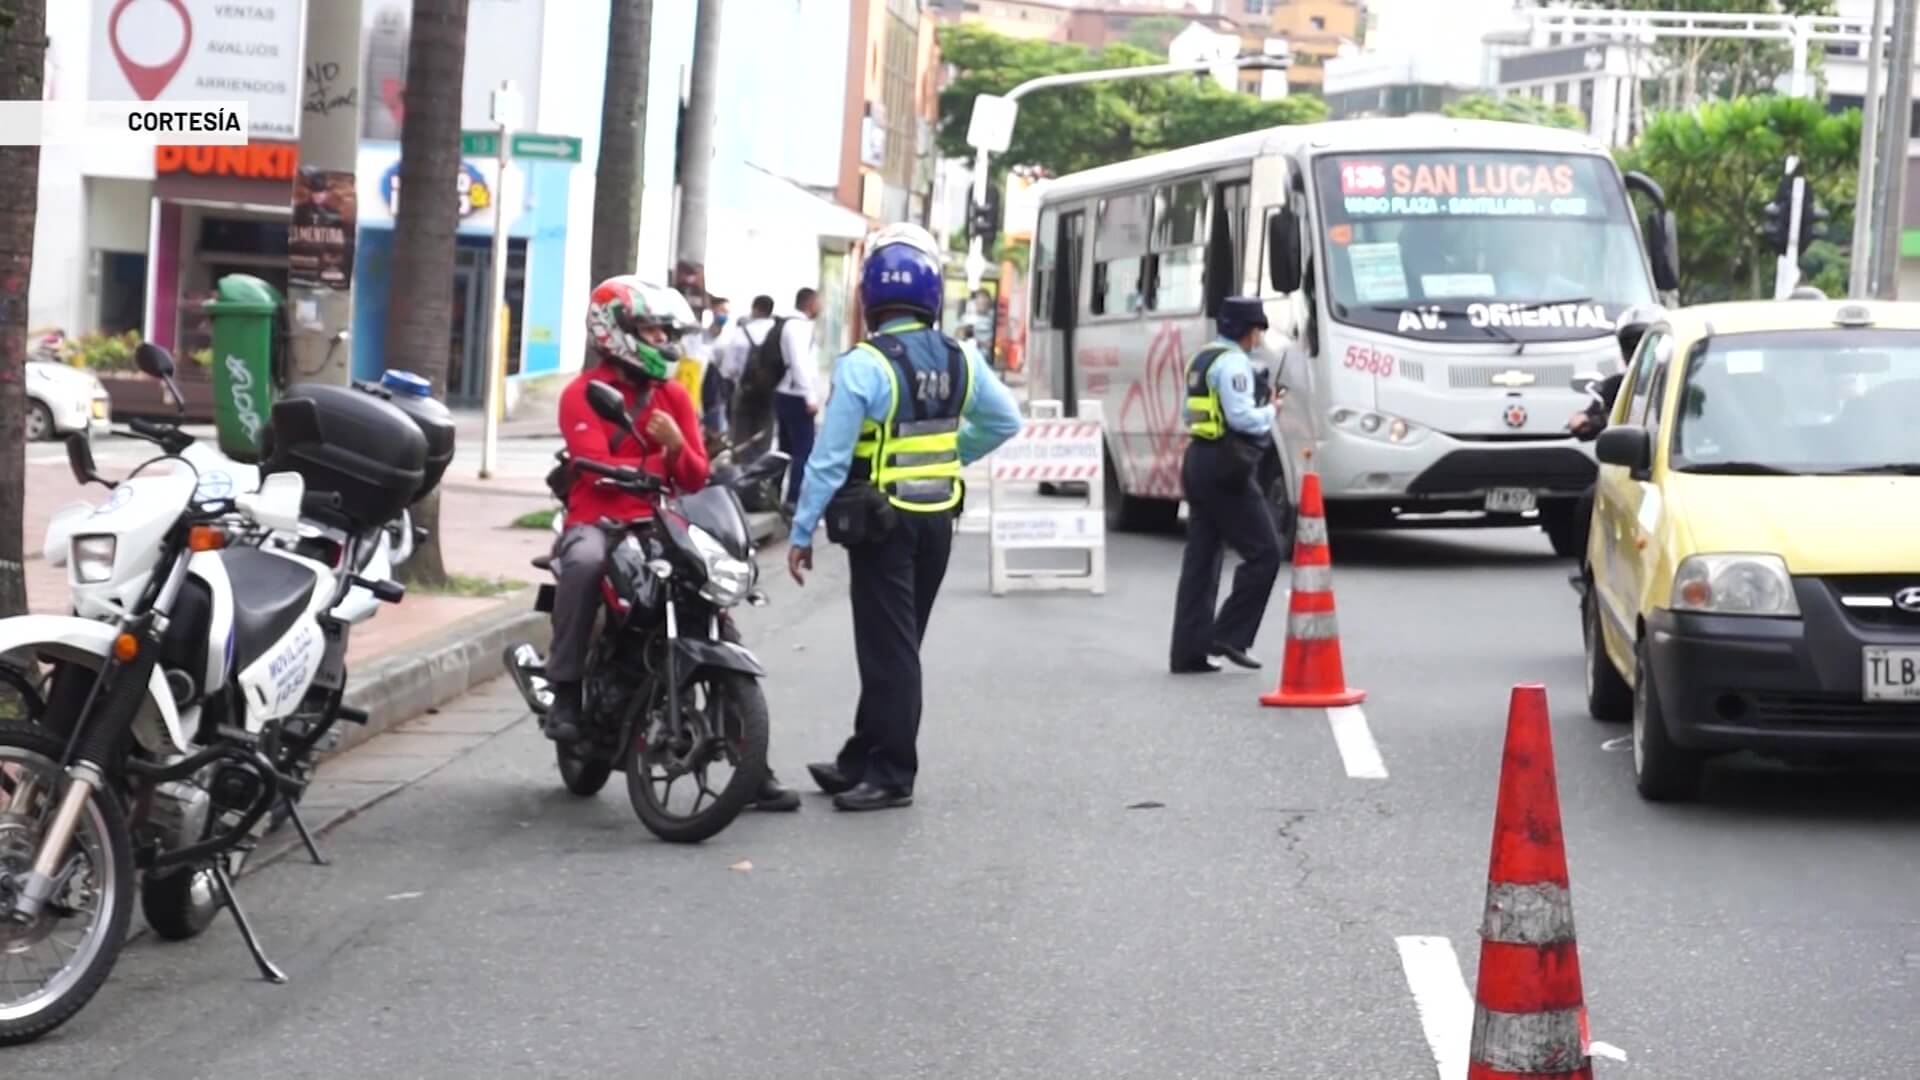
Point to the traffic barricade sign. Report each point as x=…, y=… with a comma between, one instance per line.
x=1051, y=449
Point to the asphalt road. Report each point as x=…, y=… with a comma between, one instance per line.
x=1109, y=872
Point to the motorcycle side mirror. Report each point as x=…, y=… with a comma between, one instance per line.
x=80, y=460
x=767, y=465
x=157, y=362
x=608, y=405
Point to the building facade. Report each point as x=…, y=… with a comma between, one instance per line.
x=1315, y=31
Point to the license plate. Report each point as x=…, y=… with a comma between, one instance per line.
x=1509, y=500
x=1891, y=674
x=99, y=409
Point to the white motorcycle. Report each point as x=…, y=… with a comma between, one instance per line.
x=170, y=723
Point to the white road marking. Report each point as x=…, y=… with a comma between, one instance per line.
x=1357, y=748
x=1606, y=1050
x=1440, y=995
x=1614, y=746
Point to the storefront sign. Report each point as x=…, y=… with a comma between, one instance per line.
x=471, y=184
x=320, y=240
x=201, y=50
x=258, y=160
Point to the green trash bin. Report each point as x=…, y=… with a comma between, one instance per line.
x=244, y=313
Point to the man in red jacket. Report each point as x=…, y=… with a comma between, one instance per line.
x=632, y=327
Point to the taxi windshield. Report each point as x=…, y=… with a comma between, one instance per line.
x=1464, y=245
x=1804, y=402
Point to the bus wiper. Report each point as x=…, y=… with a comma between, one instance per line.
x=1738, y=468
x=1891, y=468
x=1499, y=333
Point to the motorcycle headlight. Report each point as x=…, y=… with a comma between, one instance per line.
x=92, y=558
x=728, y=577
x=1735, y=585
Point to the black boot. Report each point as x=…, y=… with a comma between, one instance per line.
x=563, y=719
x=775, y=797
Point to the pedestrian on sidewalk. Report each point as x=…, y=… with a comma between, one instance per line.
x=1229, y=423
x=721, y=368
x=762, y=367
x=796, y=401
x=909, y=410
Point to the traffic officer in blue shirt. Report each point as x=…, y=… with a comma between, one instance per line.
x=1229, y=424
x=908, y=410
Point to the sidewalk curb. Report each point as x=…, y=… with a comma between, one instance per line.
x=400, y=686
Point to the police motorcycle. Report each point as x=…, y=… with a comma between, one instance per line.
x=377, y=562
x=162, y=737
x=670, y=692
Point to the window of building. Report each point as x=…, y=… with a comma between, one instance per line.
x=1318, y=22
x=1256, y=7
x=1179, y=246
x=1120, y=255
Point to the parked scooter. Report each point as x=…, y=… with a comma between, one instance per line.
x=164, y=732
x=670, y=692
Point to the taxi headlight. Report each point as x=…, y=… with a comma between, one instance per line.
x=1735, y=585
x=92, y=558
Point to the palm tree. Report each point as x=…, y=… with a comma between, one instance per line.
x=420, y=314
x=23, y=51
x=623, y=126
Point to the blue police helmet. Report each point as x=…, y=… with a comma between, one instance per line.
x=1239, y=314
x=901, y=273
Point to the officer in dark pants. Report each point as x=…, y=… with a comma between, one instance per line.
x=1229, y=426
x=908, y=410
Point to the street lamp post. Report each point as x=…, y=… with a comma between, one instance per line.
x=991, y=129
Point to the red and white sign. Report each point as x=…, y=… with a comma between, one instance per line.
x=1363, y=178
x=1050, y=450
x=201, y=50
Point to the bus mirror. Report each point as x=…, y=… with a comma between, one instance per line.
x=1663, y=249
x=1283, y=250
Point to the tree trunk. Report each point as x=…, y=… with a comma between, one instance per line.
x=420, y=308
x=623, y=127
x=23, y=50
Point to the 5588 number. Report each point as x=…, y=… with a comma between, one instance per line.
x=1369, y=360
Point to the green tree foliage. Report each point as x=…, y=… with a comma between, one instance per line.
x=1720, y=165
x=1518, y=108
x=1070, y=128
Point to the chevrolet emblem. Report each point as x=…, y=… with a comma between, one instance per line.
x=1512, y=378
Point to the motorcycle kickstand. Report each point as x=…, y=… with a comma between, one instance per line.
x=300, y=826
x=267, y=970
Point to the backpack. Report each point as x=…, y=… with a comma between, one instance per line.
x=767, y=361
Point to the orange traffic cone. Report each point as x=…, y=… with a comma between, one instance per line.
x=1529, y=1015
x=1310, y=673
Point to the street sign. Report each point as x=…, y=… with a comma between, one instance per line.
x=1049, y=448
x=479, y=144
x=991, y=126
x=533, y=145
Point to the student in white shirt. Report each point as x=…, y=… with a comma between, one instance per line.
x=796, y=400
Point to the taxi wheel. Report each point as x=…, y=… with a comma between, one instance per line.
x=1609, y=698
x=1662, y=770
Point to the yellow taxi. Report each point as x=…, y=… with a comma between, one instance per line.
x=1753, y=564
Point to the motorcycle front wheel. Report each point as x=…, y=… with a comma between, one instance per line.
x=670, y=778
x=70, y=948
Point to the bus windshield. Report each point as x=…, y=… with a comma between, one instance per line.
x=1466, y=245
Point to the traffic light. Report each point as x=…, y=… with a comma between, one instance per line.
x=1777, y=225
x=983, y=220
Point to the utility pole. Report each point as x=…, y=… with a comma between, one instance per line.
x=696, y=150
x=1860, y=266
x=1893, y=152
x=321, y=240
x=506, y=117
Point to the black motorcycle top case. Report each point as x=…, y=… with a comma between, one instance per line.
x=436, y=423
x=354, y=444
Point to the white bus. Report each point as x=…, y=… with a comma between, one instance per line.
x=1434, y=286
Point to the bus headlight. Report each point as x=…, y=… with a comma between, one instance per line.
x=1380, y=427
